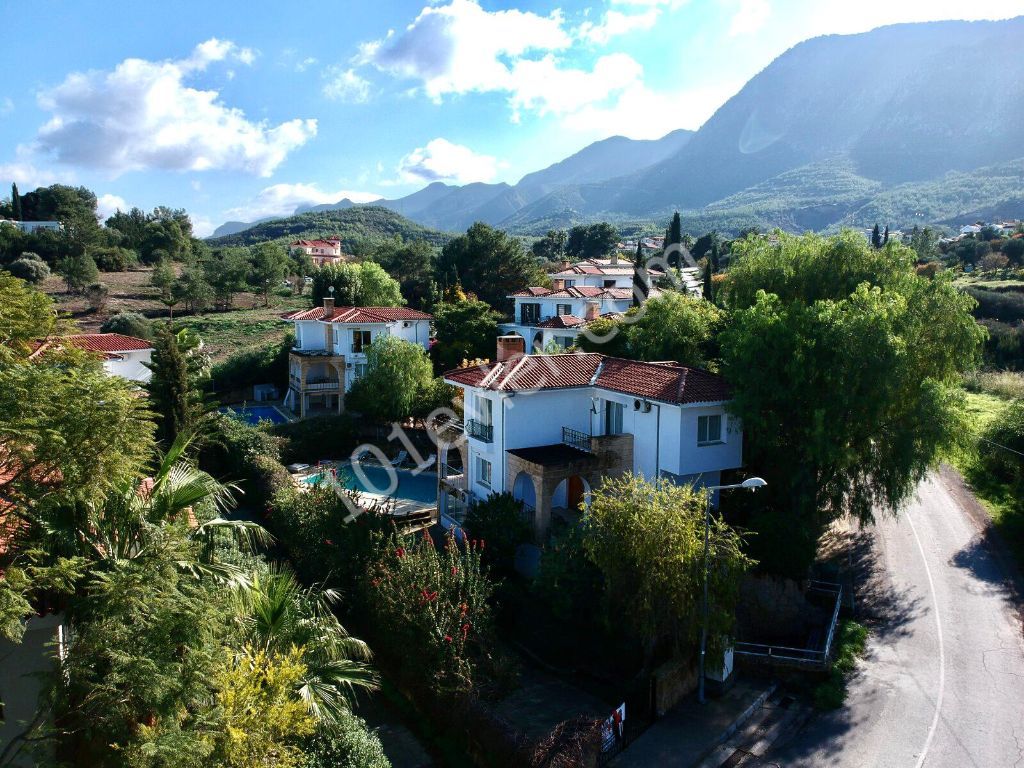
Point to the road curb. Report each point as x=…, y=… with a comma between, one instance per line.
x=738, y=722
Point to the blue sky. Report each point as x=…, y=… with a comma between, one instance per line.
x=240, y=110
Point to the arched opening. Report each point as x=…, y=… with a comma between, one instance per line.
x=538, y=341
x=570, y=498
x=523, y=490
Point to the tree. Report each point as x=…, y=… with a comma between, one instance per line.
x=191, y=287
x=498, y=520
x=77, y=271
x=128, y=324
x=925, y=243
x=703, y=245
x=709, y=286
x=412, y=264
x=15, y=203
x=225, y=271
x=96, y=294
x=162, y=277
x=114, y=258
x=994, y=261
x=489, y=263
x=551, y=247
x=845, y=371
x=674, y=236
x=396, y=371
x=267, y=265
x=465, y=330
x=671, y=326
x=876, y=237
x=1013, y=249
x=377, y=287
x=345, y=279
x=641, y=277
x=648, y=542
x=591, y=241
x=30, y=268
x=131, y=226
x=176, y=386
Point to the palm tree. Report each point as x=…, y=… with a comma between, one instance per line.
x=276, y=613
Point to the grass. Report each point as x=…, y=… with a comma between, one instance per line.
x=850, y=642
x=250, y=324
x=1000, y=384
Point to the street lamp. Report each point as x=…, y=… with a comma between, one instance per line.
x=750, y=484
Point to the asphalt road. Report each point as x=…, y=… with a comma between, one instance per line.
x=942, y=682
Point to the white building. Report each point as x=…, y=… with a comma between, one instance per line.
x=321, y=252
x=330, y=349
x=124, y=356
x=547, y=428
x=29, y=227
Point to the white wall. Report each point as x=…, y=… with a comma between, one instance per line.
x=708, y=458
x=131, y=365
x=310, y=335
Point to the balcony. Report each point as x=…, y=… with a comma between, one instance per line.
x=315, y=384
x=453, y=478
x=576, y=439
x=482, y=432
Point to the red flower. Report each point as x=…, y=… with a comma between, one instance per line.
x=447, y=638
x=400, y=552
x=328, y=542
x=465, y=630
x=454, y=570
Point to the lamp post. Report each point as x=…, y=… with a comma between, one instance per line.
x=750, y=484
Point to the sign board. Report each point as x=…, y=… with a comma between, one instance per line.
x=612, y=729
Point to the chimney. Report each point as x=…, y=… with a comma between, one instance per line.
x=558, y=283
x=593, y=311
x=565, y=266
x=615, y=258
x=510, y=346
x=329, y=303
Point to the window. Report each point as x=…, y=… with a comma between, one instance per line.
x=529, y=313
x=360, y=340
x=563, y=309
x=570, y=283
x=484, y=412
x=483, y=471
x=609, y=283
x=709, y=429
x=360, y=370
x=612, y=418
x=564, y=342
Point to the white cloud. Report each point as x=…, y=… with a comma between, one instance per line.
x=305, y=64
x=441, y=160
x=345, y=85
x=142, y=115
x=542, y=86
x=616, y=23
x=201, y=226
x=749, y=17
x=108, y=204
x=283, y=199
x=28, y=175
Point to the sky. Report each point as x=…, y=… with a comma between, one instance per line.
x=237, y=111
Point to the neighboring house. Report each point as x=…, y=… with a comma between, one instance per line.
x=320, y=252
x=330, y=350
x=548, y=428
x=580, y=293
x=32, y=226
x=124, y=356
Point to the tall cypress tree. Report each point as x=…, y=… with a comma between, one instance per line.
x=876, y=237
x=885, y=237
x=641, y=279
x=674, y=237
x=15, y=202
x=709, y=287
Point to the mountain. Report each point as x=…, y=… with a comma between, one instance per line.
x=338, y=206
x=359, y=227
x=231, y=227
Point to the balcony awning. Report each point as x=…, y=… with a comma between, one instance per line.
x=555, y=455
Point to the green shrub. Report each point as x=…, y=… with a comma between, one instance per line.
x=258, y=365
x=129, y=324
x=1006, y=384
x=247, y=455
x=849, y=646
x=1004, y=347
x=114, y=258
x=347, y=743
x=498, y=520
x=1007, y=306
x=567, y=581
x=322, y=437
x=1003, y=442
x=29, y=268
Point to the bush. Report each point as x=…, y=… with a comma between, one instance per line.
x=850, y=642
x=1004, y=347
x=431, y=611
x=498, y=520
x=259, y=365
x=310, y=440
x=96, y=294
x=114, y=259
x=1003, y=442
x=129, y=324
x=568, y=583
x=1007, y=306
x=347, y=743
x=30, y=268
x=247, y=455
x=1006, y=384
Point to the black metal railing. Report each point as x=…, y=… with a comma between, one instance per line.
x=480, y=431
x=576, y=439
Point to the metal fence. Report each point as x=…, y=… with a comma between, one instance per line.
x=484, y=432
x=576, y=439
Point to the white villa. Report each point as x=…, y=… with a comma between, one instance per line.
x=124, y=356
x=580, y=293
x=330, y=350
x=320, y=251
x=547, y=428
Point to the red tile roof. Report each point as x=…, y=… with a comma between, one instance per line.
x=655, y=381
x=575, y=292
x=108, y=342
x=361, y=315
x=562, y=321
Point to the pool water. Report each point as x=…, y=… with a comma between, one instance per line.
x=421, y=487
x=254, y=414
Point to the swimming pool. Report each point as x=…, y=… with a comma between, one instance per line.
x=421, y=487
x=254, y=414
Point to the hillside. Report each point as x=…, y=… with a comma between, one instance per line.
x=359, y=228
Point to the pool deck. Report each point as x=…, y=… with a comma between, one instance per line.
x=400, y=507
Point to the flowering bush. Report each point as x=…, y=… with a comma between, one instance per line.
x=430, y=605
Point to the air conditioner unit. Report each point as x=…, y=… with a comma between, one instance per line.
x=348, y=365
x=647, y=407
x=406, y=324
x=637, y=405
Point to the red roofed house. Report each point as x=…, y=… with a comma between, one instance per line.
x=330, y=350
x=320, y=251
x=548, y=428
x=123, y=356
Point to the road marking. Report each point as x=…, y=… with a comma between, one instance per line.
x=942, y=647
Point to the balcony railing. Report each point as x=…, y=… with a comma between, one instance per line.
x=455, y=478
x=315, y=383
x=576, y=439
x=479, y=431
